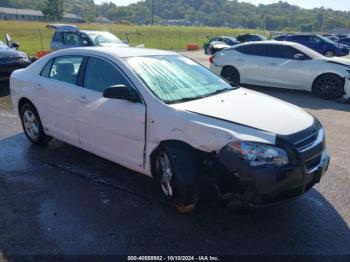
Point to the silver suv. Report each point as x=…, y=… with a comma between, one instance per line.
x=67, y=36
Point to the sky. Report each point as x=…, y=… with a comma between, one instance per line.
x=334, y=4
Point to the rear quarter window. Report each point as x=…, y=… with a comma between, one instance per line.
x=57, y=37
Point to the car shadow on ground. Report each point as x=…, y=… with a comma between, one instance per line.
x=61, y=199
x=301, y=98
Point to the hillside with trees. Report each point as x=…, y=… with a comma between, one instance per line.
x=278, y=16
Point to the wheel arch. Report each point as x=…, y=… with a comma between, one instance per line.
x=175, y=143
x=22, y=101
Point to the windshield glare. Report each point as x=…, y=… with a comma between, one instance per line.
x=176, y=78
x=326, y=39
x=105, y=38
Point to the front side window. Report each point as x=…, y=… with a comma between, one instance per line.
x=175, y=79
x=100, y=74
x=66, y=68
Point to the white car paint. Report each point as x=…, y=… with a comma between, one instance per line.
x=282, y=73
x=127, y=133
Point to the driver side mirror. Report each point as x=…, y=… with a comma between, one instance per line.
x=300, y=56
x=122, y=92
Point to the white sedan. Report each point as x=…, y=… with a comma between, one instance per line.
x=284, y=65
x=167, y=117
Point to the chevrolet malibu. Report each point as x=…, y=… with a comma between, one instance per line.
x=167, y=117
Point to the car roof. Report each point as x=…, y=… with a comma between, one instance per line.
x=274, y=42
x=120, y=52
x=63, y=27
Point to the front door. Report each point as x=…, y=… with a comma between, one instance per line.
x=112, y=128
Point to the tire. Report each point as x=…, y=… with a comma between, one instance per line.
x=32, y=126
x=329, y=53
x=231, y=74
x=328, y=86
x=175, y=166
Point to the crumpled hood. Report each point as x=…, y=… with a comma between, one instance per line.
x=253, y=109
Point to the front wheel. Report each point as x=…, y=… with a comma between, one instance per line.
x=176, y=171
x=32, y=125
x=328, y=86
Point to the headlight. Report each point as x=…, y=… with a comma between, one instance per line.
x=259, y=154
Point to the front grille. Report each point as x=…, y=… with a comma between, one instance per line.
x=312, y=163
x=304, y=143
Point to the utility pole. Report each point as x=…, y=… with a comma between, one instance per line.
x=152, y=12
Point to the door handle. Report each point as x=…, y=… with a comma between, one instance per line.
x=273, y=64
x=83, y=99
x=240, y=60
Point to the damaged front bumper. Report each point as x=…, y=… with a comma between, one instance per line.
x=259, y=186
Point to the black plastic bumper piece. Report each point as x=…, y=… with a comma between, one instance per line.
x=259, y=186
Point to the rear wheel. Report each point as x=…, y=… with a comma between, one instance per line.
x=176, y=171
x=328, y=86
x=32, y=125
x=329, y=53
x=231, y=74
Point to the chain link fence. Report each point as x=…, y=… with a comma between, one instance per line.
x=32, y=40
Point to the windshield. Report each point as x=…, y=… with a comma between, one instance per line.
x=175, y=79
x=105, y=38
x=325, y=39
x=308, y=51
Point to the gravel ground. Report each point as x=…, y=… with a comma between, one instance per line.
x=62, y=200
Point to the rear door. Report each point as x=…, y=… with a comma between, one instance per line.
x=62, y=101
x=112, y=128
x=284, y=69
x=252, y=63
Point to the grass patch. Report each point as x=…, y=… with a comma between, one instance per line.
x=34, y=36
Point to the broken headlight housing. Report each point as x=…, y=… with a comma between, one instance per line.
x=257, y=154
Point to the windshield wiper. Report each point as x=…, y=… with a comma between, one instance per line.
x=185, y=99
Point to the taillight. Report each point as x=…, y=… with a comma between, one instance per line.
x=211, y=59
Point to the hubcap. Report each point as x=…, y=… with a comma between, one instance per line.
x=30, y=124
x=164, y=167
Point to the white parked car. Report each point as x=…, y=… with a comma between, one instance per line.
x=284, y=65
x=165, y=116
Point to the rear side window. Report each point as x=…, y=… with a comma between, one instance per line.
x=66, y=68
x=302, y=38
x=100, y=74
x=256, y=50
x=58, y=37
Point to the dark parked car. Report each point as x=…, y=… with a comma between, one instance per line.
x=221, y=42
x=11, y=59
x=320, y=44
x=344, y=41
x=280, y=37
x=250, y=38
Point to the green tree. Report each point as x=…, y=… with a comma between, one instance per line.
x=53, y=9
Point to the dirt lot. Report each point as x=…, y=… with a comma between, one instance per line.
x=62, y=200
